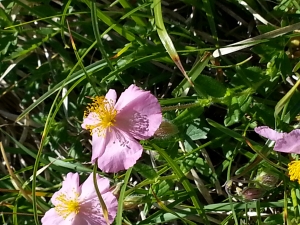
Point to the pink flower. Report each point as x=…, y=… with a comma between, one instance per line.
x=284, y=142
x=79, y=205
x=115, y=126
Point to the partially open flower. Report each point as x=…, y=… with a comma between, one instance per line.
x=252, y=193
x=166, y=129
x=284, y=142
x=132, y=201
x=79, y=205
x=267, y=179
x=115, y=126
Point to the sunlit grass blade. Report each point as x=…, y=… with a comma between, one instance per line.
x=32, y=48
x=62, y=22
x=255, y=40
x=210, y=17
x=138, y=20
x=79, y=60
x=97, y=34
x=56, y=163
x=119, y=217
x=285, y=99
x=53, y=23
x=110, y=22
x=13, y=177
x=165, y=38
x=71, y=78
x=99, y=41
x=193, y=74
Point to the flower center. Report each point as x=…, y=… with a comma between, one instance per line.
x=106, y=115
x=66, y=206
x=294, y=171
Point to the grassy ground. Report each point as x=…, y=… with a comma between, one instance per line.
x=56, y=53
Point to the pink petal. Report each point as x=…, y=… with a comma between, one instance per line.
x=91, y=211
x=70, y=188
x=269, y=133
x=88, y=188
x=122, y=152
x=98, y=145
x=139, y=113
x=127, y=96
x=289, y=143
x=91, y=119
x=111, y=203
x=51, y=217
x=82, y=220
x=111, y=95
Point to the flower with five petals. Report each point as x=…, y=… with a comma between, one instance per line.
x=79, y=204
x=116, y=126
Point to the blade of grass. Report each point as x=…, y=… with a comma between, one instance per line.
x=254, y=146
x=122, y=197
x=70, y=78
x=13, y=176
x=97, y=35
x=193, y=74
x=283, y=101
x=47, y=160
x=80, y=61
x=185, y=182
x=255, y=40
x=138, y=20
x=166, y=40
x=165, y=208
x=210, y=18
x=62, y=22
x=99, y=40
x=31, y=49
x=53, y=23
x=110, y=22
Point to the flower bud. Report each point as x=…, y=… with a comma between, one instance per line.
x=132, y=201
x=252, y=194
x=116, y=189
x=166, y=129
x=267, y=179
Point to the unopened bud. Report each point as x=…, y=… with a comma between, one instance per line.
x=267, y=179
x=115, y=190
x=252, y=194
x=132, y=201
x=166, y=129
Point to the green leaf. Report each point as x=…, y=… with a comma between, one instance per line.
x=188, y=115
x=161, y=188
x=237, y=108
x=196, y=130
x=209, y=86
x=145, y=170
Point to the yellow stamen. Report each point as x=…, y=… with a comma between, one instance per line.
x=67, y=206
x=106, y=114
x=294, y=171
